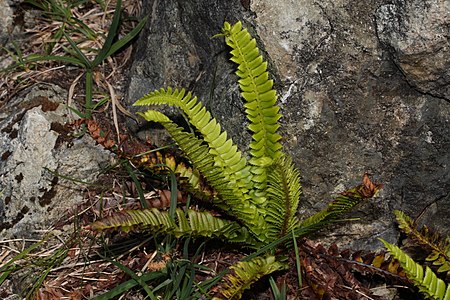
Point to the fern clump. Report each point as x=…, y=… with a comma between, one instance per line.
x=261, y=193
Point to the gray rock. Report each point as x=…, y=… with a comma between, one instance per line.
x=417, y=35
x=6, y=21
x=33, y=144
x=347, y=108
x=177, y=49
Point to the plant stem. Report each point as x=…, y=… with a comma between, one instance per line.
x=89, y=86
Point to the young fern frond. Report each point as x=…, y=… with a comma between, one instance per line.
x=283, y=194
x=245, y=273
x=438, y=246
x=227, y=158
x=427, y=282
x=261, y=108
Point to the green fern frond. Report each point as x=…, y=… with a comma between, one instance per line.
x=230, y=195
x=438, y=246
x=257, y=90
x=428, y=283
x=283, y=193
x=342, y=204
x=192, y=146
x=245, y=273
x=261, y=98
x=225, y=152
x=226, y=156
x=189, y=223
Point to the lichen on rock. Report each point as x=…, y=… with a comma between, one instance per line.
x=32, y=197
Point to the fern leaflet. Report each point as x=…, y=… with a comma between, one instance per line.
x=283, y=193
x=342, y=204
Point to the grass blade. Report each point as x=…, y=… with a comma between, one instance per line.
x=89, y=87
x=44, y=58
x=173, y=195
x=36, y=4
x=127, y=166
x=112, y=32
x=277, y=294
x=127, y=38
x=127, y=285
x=135, y=277
x=56, y=260
x=81, y=57
x=85, y=30
x=5, y=270
x=55, y=39
x=297, y=260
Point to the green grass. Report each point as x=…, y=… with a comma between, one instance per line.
x=70, y=27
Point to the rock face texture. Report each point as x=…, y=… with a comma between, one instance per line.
x=33, y=146
x=417, y=35
x=6, y=20
x=363, y=87
x=176, y=48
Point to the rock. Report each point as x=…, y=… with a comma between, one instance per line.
x=417, y=35
x=347, y=108
x=182, y=53
x=34, y=144
x=6, y=21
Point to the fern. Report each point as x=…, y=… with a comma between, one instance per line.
x=189, y=223
x=283, y=183
x=160, y=162
x=245, y=273
x=261, y=108
x=233, y=195
x=438, y=246
x=261, y=195
x=343, y=203
x=427, y=282
x=226, y=155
